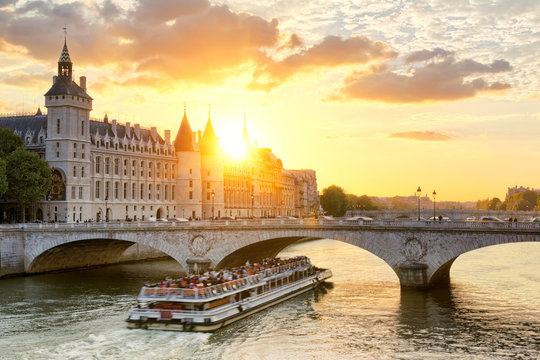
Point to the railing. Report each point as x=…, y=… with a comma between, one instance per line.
x=278, y=223
x=174, y=293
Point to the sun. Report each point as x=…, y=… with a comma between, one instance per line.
x=235, y=148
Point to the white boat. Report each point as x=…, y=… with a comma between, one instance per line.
x=212, y=307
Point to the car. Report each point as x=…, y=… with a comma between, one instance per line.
x=490, y=219
x=161, y=219
x=151, y=218
x=471, y=218
x=444, y=218
x=226, y=218
x=177, y=220
x=535, y=220
x=360, y=218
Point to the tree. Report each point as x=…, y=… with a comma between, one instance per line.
x=9, y=142
x=3, y=178
x=28, y=178
x=361, y=203
x=482, y=204
x=494, y=204
x=334, y=201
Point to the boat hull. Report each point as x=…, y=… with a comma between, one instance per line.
x=242, y=311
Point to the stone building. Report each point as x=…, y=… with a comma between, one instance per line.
x=103, y=170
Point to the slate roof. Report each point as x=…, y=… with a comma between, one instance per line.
x=184, y=139
x=66, y=86
x=21, y=124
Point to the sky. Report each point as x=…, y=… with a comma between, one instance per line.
x=379, y=97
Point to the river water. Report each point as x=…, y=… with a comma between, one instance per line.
x=491, y=310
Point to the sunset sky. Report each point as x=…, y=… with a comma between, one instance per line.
x=376, y=96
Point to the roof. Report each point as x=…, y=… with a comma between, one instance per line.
x=64, y=56
x=66, y=86
x=184, y=138
x=22, y=124
x=209, y=140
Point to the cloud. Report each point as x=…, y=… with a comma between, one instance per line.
x=333, y=51
x=435, y=79
x=421, y=136
x=27, y=80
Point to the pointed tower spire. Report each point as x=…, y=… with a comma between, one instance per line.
x=184, y=140
x=245, y=136
x=209, y=140
x=64, y=63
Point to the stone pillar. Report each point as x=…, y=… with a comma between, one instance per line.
x=198, y=265
x=413, y=275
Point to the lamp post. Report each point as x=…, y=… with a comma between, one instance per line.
x=434, y=195
x=418, y=193
x=213, y=194
x=49, y=207
x=252, y=201
x=106, y=208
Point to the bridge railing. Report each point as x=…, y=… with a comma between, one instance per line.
x=279, y=223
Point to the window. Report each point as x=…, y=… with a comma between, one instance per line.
x=172, y=193
x=133, y=165
x=82, y=151
x=191, y=171
x=190, y=183
x=207, y=196
x=116, y=189
x=98, y=189
x=58, y=126
x=142, y=168
x=142, y=192
x=125, y=167
x=74, y=150
x=98, y=164
x=158, y=170
x=158, y=191
x=107, y=188
x=125, y=190
x=165, y=195
x=150, y=192
x=75, y=171
x=191, y=195
x=116, y=166
x=80, y=192
x=107, y=165
x=41, y=139
x=133, y=188
x=82, y=172
x=73, y=192
x=208, y=173
x=82, y=128
x=208, y=185
x=166, y=170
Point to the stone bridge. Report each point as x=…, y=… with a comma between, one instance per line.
x=420, y=252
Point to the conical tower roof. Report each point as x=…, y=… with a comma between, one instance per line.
x=245, y=136
x=209, y=141
x=184, y=140
x=64, y=56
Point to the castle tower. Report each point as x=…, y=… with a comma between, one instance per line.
x=188, y=177
x=68, y=143
x=211, y=173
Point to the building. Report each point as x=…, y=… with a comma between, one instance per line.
x=103, y=170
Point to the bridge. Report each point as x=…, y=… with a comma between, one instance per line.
x=420, y=252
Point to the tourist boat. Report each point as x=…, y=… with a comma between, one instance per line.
x=209, y=308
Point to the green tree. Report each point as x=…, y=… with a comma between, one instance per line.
x=334, y=201
x=28, y=178
x=482, y=204
x=529, y=196
x=3, y=178
x=9, y=142
x=494, y=204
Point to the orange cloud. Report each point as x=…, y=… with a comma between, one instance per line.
x=421, y=136
x=439, y=78
x=333, y=51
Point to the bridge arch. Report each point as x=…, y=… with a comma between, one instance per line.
x=96, y=249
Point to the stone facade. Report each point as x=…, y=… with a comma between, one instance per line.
x=105, y=171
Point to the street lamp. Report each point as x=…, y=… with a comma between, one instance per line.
x=252, y=201
x=106, y=208
x=434, y=195
x=213, y=194
x=418, y=193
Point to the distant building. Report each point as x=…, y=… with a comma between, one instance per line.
x=517, y=190
x=104, y=170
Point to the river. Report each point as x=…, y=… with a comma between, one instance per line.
x=490, y=310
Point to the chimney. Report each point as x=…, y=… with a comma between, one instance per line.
x=153, y=132
x=199, y=136
x=106, y=119
x=168, y=137
x=54, y=79
x=82, y=82
x=128, y=129
x=137, y=130
x=114, y=127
